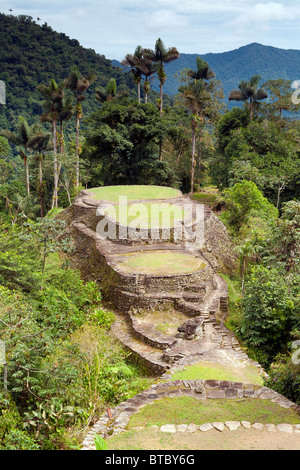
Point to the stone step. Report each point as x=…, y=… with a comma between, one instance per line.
x=147, y=333
x=193, y=296
x=146, y=353
x=192, y=308
x=199, y=288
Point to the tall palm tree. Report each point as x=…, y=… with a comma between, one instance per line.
x=133, y=61
x=147, y=69
x=53, y=95
x=21, y=138
x=161, y=55
x=197, y=99
x=249, y=90
x=40, y=142
x=65, y=113
x=78, y=85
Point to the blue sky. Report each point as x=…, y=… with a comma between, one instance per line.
x=115, y=27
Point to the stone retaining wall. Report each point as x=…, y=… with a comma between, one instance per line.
x=199, y=389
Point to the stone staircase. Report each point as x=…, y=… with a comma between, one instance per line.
x=159, y=352
x=148, y=354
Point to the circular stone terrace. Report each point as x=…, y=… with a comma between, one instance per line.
x=132, y=193
x=159, y=263
x=143, y=208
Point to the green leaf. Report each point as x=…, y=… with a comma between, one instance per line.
x=100, y=443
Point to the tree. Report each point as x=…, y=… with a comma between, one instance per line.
x=133, y=61
x=124, y=136
x=246, y=252
x=203, y=71
x=78, y=85
x=244, y=200
x=107, y=93
x=285, y=243
x=280, y=93
x=197, y=98
x=269, y=313
x=48, y=235
x=161, y=55
x=249, y=90
x=21, y=139
x=53, y=95
x=40, y=143
x=65, y=113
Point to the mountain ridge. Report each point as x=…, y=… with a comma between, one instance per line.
x=231, y=67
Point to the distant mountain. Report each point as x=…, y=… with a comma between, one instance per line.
x=31, y=54
x=233, y=66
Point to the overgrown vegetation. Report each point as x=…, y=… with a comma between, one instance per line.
x=62, y=366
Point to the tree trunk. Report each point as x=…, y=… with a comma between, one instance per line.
x=160, y=149
x=280, y=189
x=161, y=99
x=62, y=147
x=193, y=162
x=27, y=176
x=41, y=195
x=77, y=150
x=251, y=109
x=55, y=191
x=139, y=92
x=200, y=151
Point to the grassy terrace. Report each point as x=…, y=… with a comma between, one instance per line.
x=161, y=263
x=133, y=193
x=190, y=410
x=147, y=215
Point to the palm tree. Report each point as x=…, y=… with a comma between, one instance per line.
x=161, y=55
x=65, y=113
x=147, y=69
x=107, y=93
x=249, y=90
x=203, y=71
x=195, y=96
x=133, y=61
x=197, y=99
x=39, y=143
x=246, y=251
x=21, y=139
x=53, y=94
x=78, y=85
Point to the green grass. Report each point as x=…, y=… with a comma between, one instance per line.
x=147, y=215
x=187, y=410
x=204, y=371
x=207, y=195
x=161, y=263
x=133, y=192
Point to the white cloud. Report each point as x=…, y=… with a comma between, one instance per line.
x=115, y=27
x=162, y=20
x=266, y=13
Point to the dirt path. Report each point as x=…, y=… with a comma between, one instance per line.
x=241, y=439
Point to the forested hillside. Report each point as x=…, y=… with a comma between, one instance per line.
x=31, y=54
